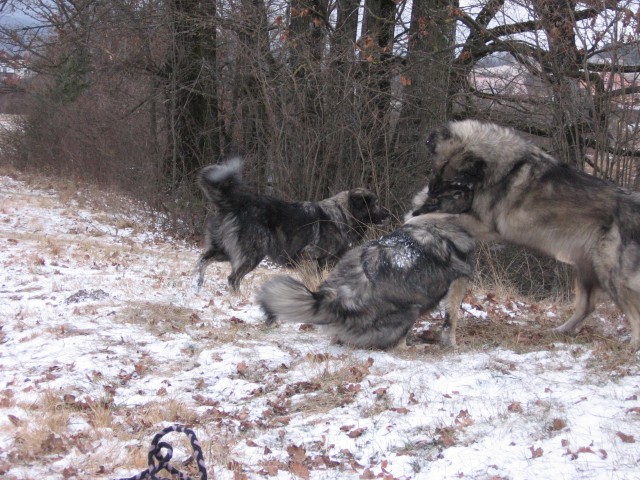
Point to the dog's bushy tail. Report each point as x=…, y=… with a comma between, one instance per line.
x=286, y=299
x=217, y=181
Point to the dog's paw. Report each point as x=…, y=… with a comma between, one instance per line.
x=447, y=338
x=270, y=319
x=563, y=330
x=196, y=285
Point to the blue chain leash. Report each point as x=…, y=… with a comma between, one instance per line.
x=158, y=461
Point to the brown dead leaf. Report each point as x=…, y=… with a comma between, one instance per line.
x=53, y=444
x=380, y=392
x=401, y=410
x=515, y=407
x=4, y=467
x=367, y=474
x=299, y=470
x=236, y=468
x=69, y=472
x=271, y=467
x=316, y=357
x=446, y=436
x=15, y=420
x=626, y=438
x=356, y=433
x=297, y=454
x=536, y=452
x=557, y=424
x=242, y=368
x=301, y=387
x=463, y=419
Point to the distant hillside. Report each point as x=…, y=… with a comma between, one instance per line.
x=629, y=54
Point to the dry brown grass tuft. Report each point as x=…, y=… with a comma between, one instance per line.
x=332, y=382
x=311, y=274
x=160, y=318
x=169, y=410
x=45, y=429
x=508, y=270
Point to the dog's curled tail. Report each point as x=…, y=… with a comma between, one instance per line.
x=286, y=299
x=216, y=181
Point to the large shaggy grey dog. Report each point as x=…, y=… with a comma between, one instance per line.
x=523, y=196
x=376, y=292
x=244, y=227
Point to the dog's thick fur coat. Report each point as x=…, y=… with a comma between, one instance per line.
x=523, y=196
x=375, y=293
x=244, y=227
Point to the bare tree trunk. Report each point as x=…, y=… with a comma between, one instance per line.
x=561, y=73
x=193, y=114
x=251, y=127
x=425, y=80
x=376, y=48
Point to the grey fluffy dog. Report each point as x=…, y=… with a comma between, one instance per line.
x=245, y=227
x=524, y=196
x=376, y=291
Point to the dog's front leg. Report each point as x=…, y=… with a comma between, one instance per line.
x=456, y=293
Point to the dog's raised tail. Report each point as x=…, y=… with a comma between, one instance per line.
x=286, y=299
x=217, y=180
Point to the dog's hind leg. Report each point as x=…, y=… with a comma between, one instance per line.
x=238, y=272
x=210, y=255
x=584, y=306
x=629, y=303
x=456, y=293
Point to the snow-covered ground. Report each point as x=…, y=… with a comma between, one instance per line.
x=103, y=343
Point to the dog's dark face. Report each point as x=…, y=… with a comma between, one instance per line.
x=365, y=208
x=457, y=172
x=452, y=200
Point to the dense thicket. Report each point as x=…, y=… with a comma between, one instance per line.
x=317, y=95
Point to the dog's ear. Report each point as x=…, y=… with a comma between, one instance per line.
x=435, y=136
x=362, y=199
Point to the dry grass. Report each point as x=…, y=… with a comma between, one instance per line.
x=311, y=274
x=160, y=318
x=46, y=428
x=512, y=271
x=332, y=382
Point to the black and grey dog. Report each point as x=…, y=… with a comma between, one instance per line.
x=244, y=227
x=376, y=292
x=523, y=196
